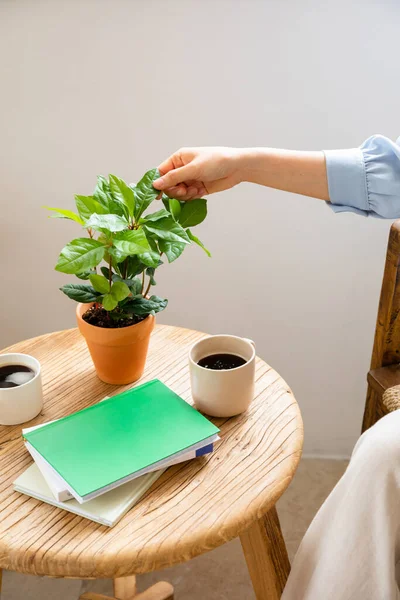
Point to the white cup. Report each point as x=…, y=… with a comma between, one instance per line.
x=227, y=392
x=23, y=402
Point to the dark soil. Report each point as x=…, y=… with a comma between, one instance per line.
x=98, y=316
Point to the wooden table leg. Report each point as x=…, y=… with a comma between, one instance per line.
x=159, y=591
x=125, y=588
x=94, y=596
x=266, y=556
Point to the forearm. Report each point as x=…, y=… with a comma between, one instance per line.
x=292, y=171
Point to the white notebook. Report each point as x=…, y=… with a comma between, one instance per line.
x=57, y=485
x=107, y=509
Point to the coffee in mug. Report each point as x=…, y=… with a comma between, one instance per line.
x=221, y=362
x=21, y=396
x=222, y=370
x=15, y=375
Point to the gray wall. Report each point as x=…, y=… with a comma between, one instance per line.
x=100, y=87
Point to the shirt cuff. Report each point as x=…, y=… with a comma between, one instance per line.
x=347, y=180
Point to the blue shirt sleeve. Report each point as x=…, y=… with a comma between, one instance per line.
x=366, y=180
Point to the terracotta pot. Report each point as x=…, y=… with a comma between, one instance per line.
x=119, y=355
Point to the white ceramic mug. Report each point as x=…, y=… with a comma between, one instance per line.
x=227, y=392
x=23, y=402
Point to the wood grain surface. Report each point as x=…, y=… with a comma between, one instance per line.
x=192, y=508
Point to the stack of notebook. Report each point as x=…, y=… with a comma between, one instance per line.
x=99, y=461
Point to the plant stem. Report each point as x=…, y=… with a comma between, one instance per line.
x=125, y=268
x=143, y=276
x=110, y=273
x=148, y=289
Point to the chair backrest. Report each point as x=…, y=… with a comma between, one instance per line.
x=386, y=348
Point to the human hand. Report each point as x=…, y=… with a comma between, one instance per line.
x=193, y=172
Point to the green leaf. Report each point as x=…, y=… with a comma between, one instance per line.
x=80, y=255
x=145, y=193
x=122, y=193
x=107, y=223
x=109, y=302
x=168, y=229
x=80, y=293
x=85, y=275
x=62, y=213
x=193, y=212
x=150, y=272
x=100, y=283
x=106, y=272
x=175, y=208
x=116, y=255
x=119, y=291
x=131, y=242
x=87, y=205
x=102, y=194
x=116, y=266
x=135, y=266
x=135, y=285
x=172, y=250
x=198, y=242
x=144, y=306
x=151, y=258
x=160, y=214
x=105, y=238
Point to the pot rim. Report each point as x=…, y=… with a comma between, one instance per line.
x=89, y=305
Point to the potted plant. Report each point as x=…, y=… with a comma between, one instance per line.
x=123, y=248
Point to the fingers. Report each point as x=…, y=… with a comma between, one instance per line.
x=188, y=197
x=167, y=165
x=178, y=191
x=175, y=177
x=187, y=191
x=173, y=162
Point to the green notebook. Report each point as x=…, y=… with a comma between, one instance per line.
x=110, y=443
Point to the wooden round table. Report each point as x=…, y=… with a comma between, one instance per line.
x=194, y=507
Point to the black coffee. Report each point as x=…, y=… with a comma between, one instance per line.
x=15, y=375
x=219, y=362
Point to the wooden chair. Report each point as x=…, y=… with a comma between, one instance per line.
x=159, y=591
x=383, y=393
